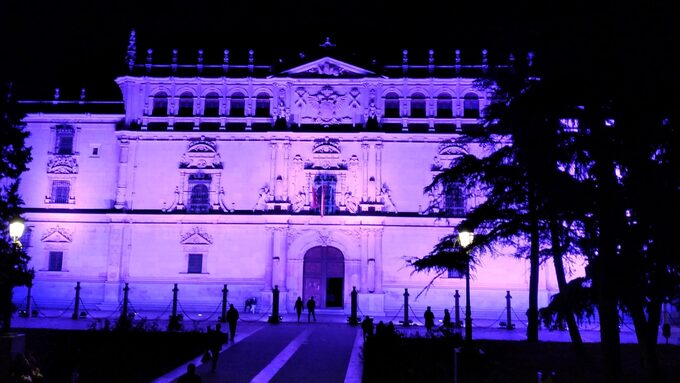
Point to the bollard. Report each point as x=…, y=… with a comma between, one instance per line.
x=274, y=319
x=76, y=307
x=353, y=321
x=225, y=291
x=456, y=296
x=406, y=322
x=175, y=290
x=126, y=301
x=28, y=300
x=508, y=308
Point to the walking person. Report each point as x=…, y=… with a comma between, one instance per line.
x=447, y=319
x=311, y=306
x=429, y=319
x=232, y=318
x=298, y=308
x=215, y=343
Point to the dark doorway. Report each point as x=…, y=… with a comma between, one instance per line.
x=324, y=271
x=334, y=292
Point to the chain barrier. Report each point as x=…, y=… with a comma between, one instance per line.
x=87, y=312
x=494, y=322
x=519, y=319
x=186, y=315
x=258, y=319
x=415, y=316
x=156, y=319
x=40, y=310
x=397, y=314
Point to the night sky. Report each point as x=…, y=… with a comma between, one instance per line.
x=71, y=44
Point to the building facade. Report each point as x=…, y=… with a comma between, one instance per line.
x=309, y=178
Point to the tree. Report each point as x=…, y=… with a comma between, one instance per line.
x=14, y=157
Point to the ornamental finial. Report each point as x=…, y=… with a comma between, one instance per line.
x=131, y=50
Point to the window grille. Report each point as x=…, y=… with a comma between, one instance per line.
x=64, y=141
x=61, y=191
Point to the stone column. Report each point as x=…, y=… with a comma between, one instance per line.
x=286, y=166
x=363, y=243
x=279, y=257
x=121, y=188
x=364, y=166
x=272, y=166
x=377, y=242
x=113, y=263
x=378, y=164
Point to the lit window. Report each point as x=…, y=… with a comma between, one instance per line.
x=61, y=191
x=324, y=195
x=55, y=260
x=195, y=264
x=64, y=141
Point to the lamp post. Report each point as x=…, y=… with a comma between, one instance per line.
x=465, y=238
x=16, y=229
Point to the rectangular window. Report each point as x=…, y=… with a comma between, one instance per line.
x=55, y=262
x=64, y=142
x=61, y=191
x=454, y=200
x=195, y=264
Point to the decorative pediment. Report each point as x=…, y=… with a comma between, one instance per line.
x=328, y=66
x=447, y=152
x=201, y=154
x=326, y=145
x=62, y=164
x=57, y=235
x=326, y=155
x=196, y=237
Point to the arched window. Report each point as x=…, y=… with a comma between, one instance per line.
x=471, y=106
x=212, y=105
x=200, y=199
x=238, y=105
x=186, y=105
x=160, y=104
x=444, y=106
x=262, y=108
x=418, y=105
x=392, y=105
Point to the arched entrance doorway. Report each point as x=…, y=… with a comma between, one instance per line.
x=324, y=276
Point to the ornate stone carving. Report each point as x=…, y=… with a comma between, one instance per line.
x=326, y=107
x=173, y=204
x=325, y=237
x=201, y=154
x=264, y=195
x=57, y=234
x=62, y=164
x=196, y=237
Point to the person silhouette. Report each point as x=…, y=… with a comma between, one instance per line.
x=311, y=306
x=216, y=340
x=429, y=319
x=190, y=376
x=447, y=319
x=232, y=318
x=298, y=308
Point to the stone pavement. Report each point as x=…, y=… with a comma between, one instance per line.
x=323, y=351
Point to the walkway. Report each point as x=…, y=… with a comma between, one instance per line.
x=323, y=351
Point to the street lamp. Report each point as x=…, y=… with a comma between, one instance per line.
x=16, y=230
x=465, y=238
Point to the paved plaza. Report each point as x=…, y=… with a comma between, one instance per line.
x=324, y=351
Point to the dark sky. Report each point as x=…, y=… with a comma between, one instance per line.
x=74, y=44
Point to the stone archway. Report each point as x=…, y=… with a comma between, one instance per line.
x=324, y=276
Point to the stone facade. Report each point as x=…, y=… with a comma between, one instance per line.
x=310, y=179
